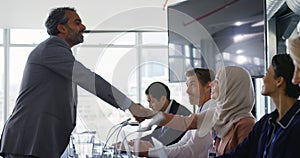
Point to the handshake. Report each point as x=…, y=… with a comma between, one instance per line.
x=141, y=113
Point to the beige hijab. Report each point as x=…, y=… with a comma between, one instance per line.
x=294, y=46
x=235, y=101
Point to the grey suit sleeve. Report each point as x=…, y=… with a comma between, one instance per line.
x=64, y=63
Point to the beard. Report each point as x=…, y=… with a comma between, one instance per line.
x=74, y=37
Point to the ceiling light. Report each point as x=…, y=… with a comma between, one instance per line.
x=238, y=38
x=241, y=59
x=238, y=23
x=239, y=51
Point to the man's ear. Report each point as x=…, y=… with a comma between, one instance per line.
x=61, y=28
x=163, y=99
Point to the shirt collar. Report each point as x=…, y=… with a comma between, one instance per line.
x=206, y=105
x=169, y=106
x=288, y=117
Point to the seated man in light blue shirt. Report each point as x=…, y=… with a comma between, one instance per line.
x=192, y=144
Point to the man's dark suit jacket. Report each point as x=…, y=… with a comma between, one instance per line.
x=45, y=111
x=169, y=136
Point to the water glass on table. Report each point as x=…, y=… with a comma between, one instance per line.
x=84, y=143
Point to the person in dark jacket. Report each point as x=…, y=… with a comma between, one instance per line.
x=158, y=96
x=275, y=135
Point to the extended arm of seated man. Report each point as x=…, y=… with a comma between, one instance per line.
x=180, y=122
x=204, y=121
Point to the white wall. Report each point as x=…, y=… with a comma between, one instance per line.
x=110, y=14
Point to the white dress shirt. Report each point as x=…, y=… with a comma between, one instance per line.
x=190, y=145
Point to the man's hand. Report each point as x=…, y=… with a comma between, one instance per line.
x=143, y=147
x=118, y=146
x=140, y=112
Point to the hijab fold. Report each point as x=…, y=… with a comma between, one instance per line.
x=235, y=101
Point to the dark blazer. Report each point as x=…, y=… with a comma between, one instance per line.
x=169, y=136
x=285, y=142
x=45, y=110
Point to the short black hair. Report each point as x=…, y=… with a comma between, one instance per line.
x=203, y=75
x=157, y=90
x=283, y=67
x=57, y=16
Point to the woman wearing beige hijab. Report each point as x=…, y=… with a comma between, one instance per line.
x=231, y=119
x=294, y=46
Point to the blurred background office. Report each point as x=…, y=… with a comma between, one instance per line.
x=128, y=45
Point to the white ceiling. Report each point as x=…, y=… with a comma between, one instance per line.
x=107, y=14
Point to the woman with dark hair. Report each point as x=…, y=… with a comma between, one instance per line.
x=275, y=134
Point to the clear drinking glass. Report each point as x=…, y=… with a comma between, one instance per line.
x=84, y=143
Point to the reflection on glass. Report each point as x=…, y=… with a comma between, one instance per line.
x=1, y=86
x=222, y=32
x=151, y=38
x=155, y=68
x=114, y=65
x=181, y=58
x=123, y=67
x=89, y=56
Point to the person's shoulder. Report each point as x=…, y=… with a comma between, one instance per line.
x=247, y=120
x=263, y=121
x=53, y=39
x=246, y=123
x=297, y=117
x=55, y=45
x=56, y=41
x=181, y=108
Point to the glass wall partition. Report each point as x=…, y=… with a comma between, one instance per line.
x=1, y=78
